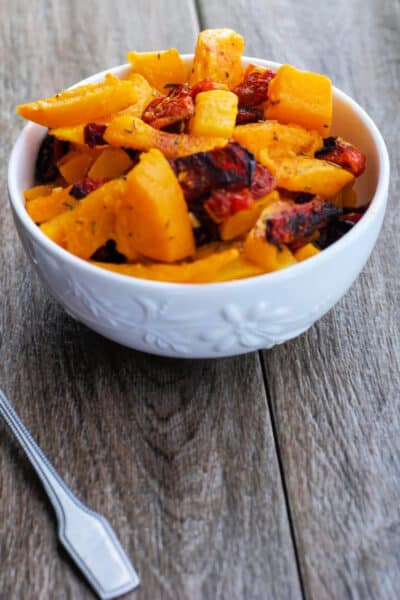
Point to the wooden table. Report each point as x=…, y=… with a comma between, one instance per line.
x=273, y=475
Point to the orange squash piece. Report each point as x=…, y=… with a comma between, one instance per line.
x=198, y=271
x=302, y=174
x=280, y=140
x=301, y=97
x=215, y=114
x=242, y=221
x=159, y=68
x=156, y=210
x=46, y=207
x=218, y=57
x=135, y=133
x=240, y=268
x=87, y=227
x=82, y=104
x=111, y=163
x=306, y=251
x=75, y=164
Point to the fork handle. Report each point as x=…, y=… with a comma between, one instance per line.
x=86, y=535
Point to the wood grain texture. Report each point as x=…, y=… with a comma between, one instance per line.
x=180, y=456
x=335, y=391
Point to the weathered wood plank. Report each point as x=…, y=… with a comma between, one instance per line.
x=335, y=391
x=178, y=455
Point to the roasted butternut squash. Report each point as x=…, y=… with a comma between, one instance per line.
x=134, y=133
x=306, y=251
x=111, y=163
x=301, y=97
x=91, y=223
x=218, y=57
x=242, y=221
x=158, y=215
x=279, y=140
x=46, y=207
x=198, y=271
x=159, y=68
x=215, y=114
x=82, y=104
x=301, y=174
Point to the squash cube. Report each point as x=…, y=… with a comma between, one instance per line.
x=301, y=97
x=306, y=251
x=46, y=207
x=91, y=224
x=302, y=174
x=159, y=218
x=242, y=221
x=75, y=165
x=218, y=57
x=280, y=140
x=215, y=114
x=111, y=163
x=159, y=68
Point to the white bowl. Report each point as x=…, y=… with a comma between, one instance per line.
x=208, y=320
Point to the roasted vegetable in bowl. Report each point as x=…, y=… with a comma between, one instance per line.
x=224, y=174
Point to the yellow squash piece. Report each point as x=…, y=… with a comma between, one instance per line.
x=198, y=271
x=87, y=227
x=280, y=140
x=301, y=97
x=218, y=57
x=261, y=252
x=215, y=114
x=46, y=207
x=157, y=211
x=135, y=133
x=111, y=163
x=242, y=221
x=306, y=251
x=159, y=68
x=75, y=164
x=241, y=268
x=82, y=104
x=301, y=174
x=38, y=190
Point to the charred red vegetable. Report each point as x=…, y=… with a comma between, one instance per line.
x=336, y=150
x=51, y=150
x=205, y=85
x=167, y=110
x=248, y=115
x=86, y=186
x=225, y=202
x=254, y=88
x=299, y=221
x=93, y=134
x=202, y=172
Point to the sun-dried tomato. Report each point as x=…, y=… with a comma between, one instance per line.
x=202, y=172
x=254, y=88
x=93, y=134
x=166, y=111
x=224, y=203
x=82, y=188
x=346, y=155
x=50, y=151
x=263, y=181
x=205, y=85
x=248, y=114
x=299, y=220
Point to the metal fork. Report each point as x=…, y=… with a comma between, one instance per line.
x=86, y=535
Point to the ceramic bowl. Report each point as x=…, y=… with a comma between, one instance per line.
x=208, y=320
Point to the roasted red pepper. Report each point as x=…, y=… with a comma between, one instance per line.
x=248, y=114
x=202, y=172
x=299, y=221
x=337, y=151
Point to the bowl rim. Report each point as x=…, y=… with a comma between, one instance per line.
x=377, y=205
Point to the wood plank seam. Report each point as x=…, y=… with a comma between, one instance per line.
x=282, y=475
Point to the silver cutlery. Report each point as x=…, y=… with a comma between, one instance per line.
x=86, y=535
